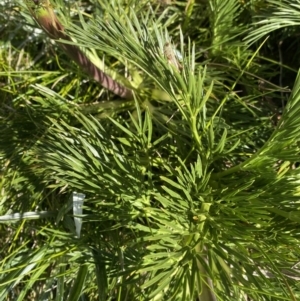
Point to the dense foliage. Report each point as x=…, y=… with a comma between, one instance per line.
x=189, y=187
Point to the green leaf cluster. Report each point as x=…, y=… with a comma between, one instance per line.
x=191, y=187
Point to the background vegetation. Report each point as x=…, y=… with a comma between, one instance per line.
x=190, y=187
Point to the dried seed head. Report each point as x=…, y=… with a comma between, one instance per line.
x=171, y=56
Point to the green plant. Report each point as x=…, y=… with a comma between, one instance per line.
x=191, y=188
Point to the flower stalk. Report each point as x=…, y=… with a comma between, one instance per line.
x=43, y=14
